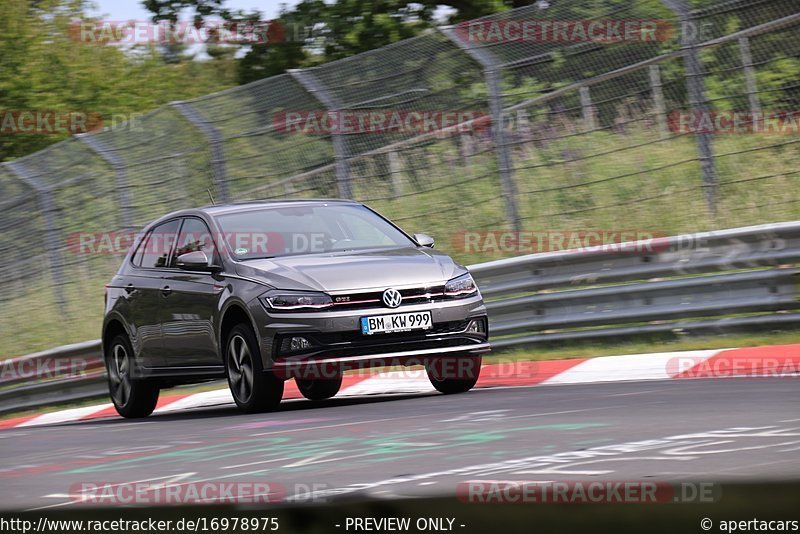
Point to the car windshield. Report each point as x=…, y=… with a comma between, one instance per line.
x=306, y=229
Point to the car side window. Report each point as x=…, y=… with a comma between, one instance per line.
x=194, y=236
x=137, y=256
x=159, y=244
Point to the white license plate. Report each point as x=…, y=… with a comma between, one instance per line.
x=397, y=322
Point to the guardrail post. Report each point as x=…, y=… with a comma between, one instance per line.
x=492, y=75
x=110, y=156
x=52, y=239
x=749, y=75
x=659, y=107
x=214, y=146
x=698, y=103
x=332, y=105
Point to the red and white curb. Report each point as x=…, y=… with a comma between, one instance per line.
x=768, y=361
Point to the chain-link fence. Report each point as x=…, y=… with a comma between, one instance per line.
x=537, y=122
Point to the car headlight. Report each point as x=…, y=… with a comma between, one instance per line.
x=296, y=301
x=462, y=286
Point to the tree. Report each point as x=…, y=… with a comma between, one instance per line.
x=44, y=68
x=317, y=31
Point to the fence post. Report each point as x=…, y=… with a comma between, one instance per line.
x=310, y=83
x=749, y=75
x=698, y=103
x=659, y=107
x=214, y=146
x=587, y=109
x=110, y=156
x=395, y=170
x=491, y=72
x=52, y=239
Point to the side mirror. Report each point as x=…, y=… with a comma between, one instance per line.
x=423, y=240
x=194, y=261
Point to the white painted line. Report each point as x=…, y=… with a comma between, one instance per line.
x=63, y=416
x=238, y=466
x=628, y=367
x=197, y=400
x=391, y=382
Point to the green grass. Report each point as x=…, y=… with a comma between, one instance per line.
x=611, y=348
x=33, y=322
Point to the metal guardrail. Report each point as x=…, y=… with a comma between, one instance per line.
x=711, y=282
x=64, y=374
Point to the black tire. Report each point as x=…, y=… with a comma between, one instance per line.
x=318, y=388
x=253, y=389
x=454, y=375
x=132, y=397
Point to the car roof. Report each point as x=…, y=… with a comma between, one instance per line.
x=233, y=207
x=217, y=209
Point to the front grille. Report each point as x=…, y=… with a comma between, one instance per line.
x=372, y=299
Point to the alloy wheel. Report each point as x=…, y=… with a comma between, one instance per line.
x=120, y=376
x=240, y=368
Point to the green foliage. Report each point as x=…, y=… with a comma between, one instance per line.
x=44, y=68
x=319, y=31
x=771, y=80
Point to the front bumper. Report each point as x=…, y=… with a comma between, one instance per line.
x=337, y=339
x=291, y=367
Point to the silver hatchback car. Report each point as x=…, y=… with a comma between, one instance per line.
x=260, y=293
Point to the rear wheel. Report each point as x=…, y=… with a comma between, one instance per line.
x=319, y=388
x=253, y=389
x=454, y=375
x=132, y=397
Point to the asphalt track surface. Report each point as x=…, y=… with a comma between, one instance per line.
x=726, y=430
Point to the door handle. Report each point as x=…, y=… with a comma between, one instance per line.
x=130, y=288
x=166, y=291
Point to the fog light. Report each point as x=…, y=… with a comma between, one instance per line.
x=291, y=344
x=476, y=326
x=298, y=343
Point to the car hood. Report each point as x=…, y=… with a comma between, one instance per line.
x=354, y=270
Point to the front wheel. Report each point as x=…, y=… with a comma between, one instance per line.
x=253, y=389
x=132, y=397
x=454, y=375
x=319, y=388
